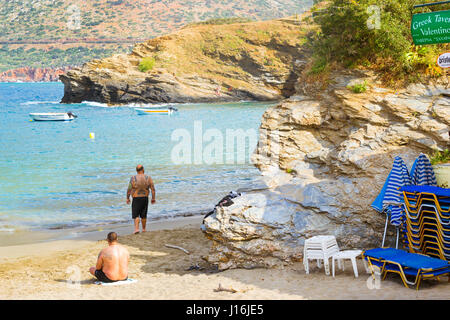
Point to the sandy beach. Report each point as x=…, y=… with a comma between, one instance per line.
x=41, y=271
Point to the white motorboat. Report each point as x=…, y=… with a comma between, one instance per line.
x=159, y=110
x=66, y=116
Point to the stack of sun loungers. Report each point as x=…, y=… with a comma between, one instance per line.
x=426, y=227
x=421, y=211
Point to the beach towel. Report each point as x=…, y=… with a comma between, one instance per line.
x=225, y=202
x=117, y=283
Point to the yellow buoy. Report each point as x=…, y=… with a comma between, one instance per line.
x=92, y=135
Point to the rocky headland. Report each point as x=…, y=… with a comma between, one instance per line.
x=199, y=63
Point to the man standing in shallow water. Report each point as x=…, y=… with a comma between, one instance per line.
x=139, y=188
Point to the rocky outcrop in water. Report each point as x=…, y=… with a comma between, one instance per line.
x=30, y=74
x=324, y=158
x=204, y=63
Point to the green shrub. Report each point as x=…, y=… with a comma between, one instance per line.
x=346, y=39
x=359, y=87
x=146, y=64
x=319, y=65
x=440, y=157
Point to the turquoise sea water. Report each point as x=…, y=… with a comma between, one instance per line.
x=54, y=176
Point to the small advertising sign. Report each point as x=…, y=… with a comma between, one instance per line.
x=444, y=60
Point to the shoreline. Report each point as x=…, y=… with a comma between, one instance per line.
x=27, y=236
x=22, y=237
x=33, y=248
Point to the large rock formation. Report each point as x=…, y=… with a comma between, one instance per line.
x=204, y=63
x=325, y=157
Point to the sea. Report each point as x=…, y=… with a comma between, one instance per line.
x=63, y=175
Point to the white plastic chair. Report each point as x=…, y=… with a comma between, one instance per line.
x=320, y=248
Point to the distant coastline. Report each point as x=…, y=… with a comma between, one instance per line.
x=31, y=74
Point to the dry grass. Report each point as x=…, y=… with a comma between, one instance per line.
x=230, y=53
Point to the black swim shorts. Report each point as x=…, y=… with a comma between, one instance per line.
x=101, y=276
x=139, y=207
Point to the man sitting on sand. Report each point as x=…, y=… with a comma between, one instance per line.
x=139, y=188
x=112, y=262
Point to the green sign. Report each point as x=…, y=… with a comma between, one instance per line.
x=431, y=27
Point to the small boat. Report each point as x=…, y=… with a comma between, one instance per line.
x=66, y=116
x=159, y=110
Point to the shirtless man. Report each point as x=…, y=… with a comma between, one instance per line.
x=139, y=188
x=112, y=262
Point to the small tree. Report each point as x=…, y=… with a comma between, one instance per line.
x=346, y=38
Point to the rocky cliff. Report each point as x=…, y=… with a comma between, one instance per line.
x=202, y=63
x=325, y=155
x=29, y=74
